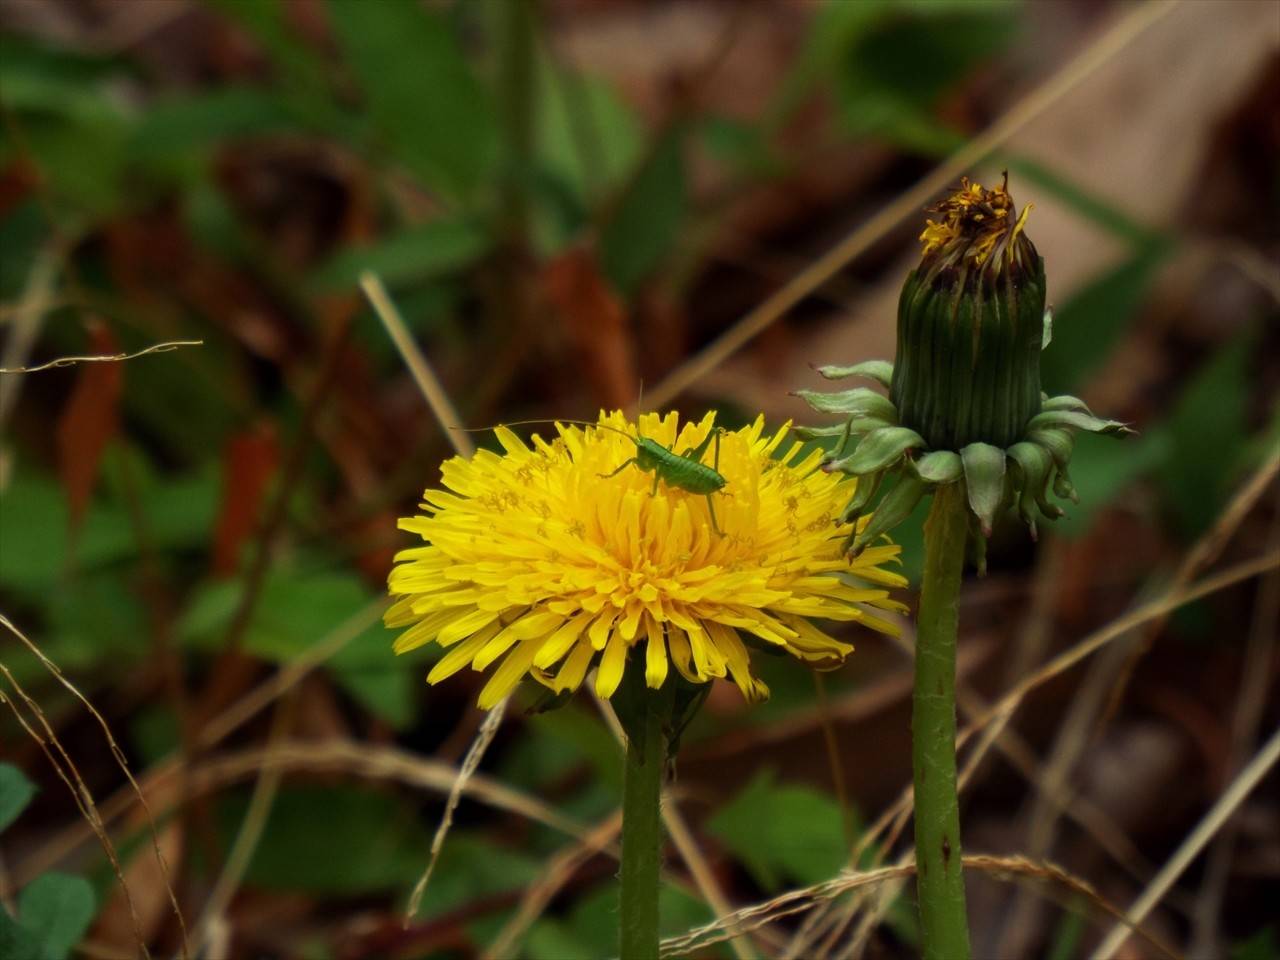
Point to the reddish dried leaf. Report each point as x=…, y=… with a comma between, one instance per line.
x=17, y=182
x=597, y=322
x=248, y=463
x=89, y=421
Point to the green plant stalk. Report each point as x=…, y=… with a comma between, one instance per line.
x=944, y=924
x=642, y=837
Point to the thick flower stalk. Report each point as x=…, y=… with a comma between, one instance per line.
x=966, y=420
x=557, y=557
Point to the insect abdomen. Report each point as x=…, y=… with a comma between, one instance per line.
x=682, y=472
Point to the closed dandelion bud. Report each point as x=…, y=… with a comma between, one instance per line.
x=964, y=402
x=971, y=325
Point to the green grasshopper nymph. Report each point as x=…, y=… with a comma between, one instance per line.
x=684, y=471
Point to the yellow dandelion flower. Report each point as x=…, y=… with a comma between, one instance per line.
x=536, y=564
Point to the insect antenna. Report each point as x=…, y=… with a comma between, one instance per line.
x=522, y=423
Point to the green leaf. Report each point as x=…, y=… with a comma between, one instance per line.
x=1207, y=436
x=1101, y=469
x=1088, y=326
x=742, y=146
x=56, y=909
x=23, y=234
x=336, y=839
x=835, y=29
x=34, y=550
x=591, y=929
x=920, y=53
x=16, y=792
x=295, y=611
x=644, y=225
x=15, y=939
x=1088, y=205
x=782, y=833
x=417, y=254
x=196, y=123
x=421, y=92
x=301, y=67
x=897, y=68
x=588, y=136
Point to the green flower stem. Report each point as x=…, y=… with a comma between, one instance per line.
x=939, y=880
x=642, y=835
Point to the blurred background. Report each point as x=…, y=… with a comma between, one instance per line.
x=567, y=198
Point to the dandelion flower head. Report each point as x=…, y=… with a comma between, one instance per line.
x=535, y=564
x=975, y=223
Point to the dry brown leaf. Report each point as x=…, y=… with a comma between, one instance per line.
x=248, y=463
x=89, y=422
x=597, y=322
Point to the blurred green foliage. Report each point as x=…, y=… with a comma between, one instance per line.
x=54, y=909
x=409, y=95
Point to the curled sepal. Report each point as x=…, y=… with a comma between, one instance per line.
x=892, y=510
x=878, y=449
x=862, y=496
x=1065, y=402
x=1035, y=467
x=940, y=466
x=1058, y=441
x=820, y=433
x=881, y=371
x=858, y=402
x=1063, y=487
x=984, y=481
x=1081, y=421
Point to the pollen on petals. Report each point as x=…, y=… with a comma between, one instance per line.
x=535, y=565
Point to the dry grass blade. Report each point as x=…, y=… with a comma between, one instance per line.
x=66, y=770
x=558, y=872
x=434, y=392
x=223, y=725
x=991, y=723
x=1251, y=700
x=24, y=327
x=1231, y=798
x=475, y=753
x=795, y=901
x=1203, y=553
x=250, y=832
x=1171, y=601
x=105, y=358
x=121, y=762
x=1111, y=43
x=375, y=762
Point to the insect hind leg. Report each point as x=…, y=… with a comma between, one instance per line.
x=711, y=508
x=695, y=453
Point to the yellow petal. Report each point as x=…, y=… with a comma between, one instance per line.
x=513, y=668
x=655, y=660
x=575, y=667
x=609, y=673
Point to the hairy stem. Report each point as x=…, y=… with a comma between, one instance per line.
x=642, y=836
x=939, y=880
